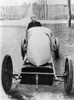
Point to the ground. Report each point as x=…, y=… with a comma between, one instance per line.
x=11, y=37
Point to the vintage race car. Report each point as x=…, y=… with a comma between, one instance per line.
x=38, y=51
x=41, y=44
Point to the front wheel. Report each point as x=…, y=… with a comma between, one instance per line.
x=23, y=48
x=56, y=48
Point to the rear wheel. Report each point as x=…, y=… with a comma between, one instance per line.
x=68, y=75
x=7, y=72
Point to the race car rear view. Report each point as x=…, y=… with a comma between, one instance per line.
x=37, y=53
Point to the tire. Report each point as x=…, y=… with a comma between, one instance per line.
x=7, y=72
x=68, y=79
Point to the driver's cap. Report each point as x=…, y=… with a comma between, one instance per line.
x=33, y=16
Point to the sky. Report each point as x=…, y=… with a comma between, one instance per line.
x=15, y=2
x=20, y=2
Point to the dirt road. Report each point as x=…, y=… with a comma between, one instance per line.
x=11, y=38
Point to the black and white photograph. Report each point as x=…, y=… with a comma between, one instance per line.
x=36, y=49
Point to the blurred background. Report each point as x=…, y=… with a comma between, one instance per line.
x=43, y=9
